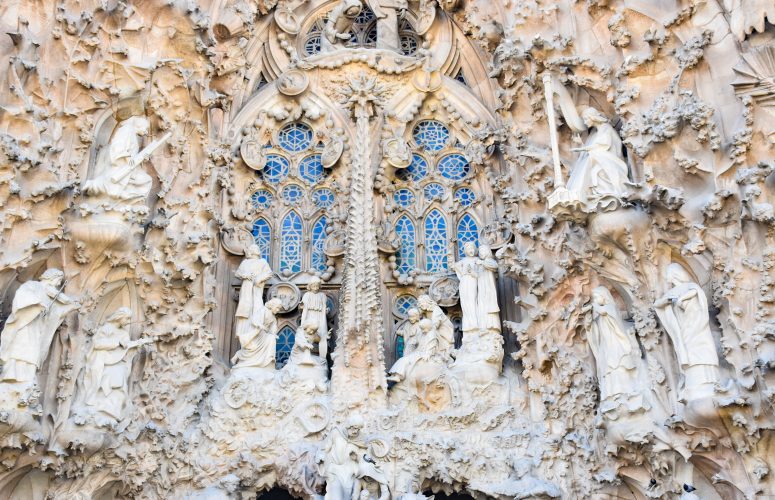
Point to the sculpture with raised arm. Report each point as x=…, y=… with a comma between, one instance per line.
x=37, y=311
x=258, y=340
x=105, y=383
x=124, y=178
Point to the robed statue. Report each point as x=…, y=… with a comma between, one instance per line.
x=258, y=339
x=37, y=311
x=254, y=271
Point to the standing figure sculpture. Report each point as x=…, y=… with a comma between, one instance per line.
x=600, y=174
x=108, y=365
x=441, y=324
x=314, y=306
x=409, y=332
x=254, y=272
x=683, y=312
x=37, y=311
x=467, y=270
x=616, y=351
x=125, y=179
x=488, y=312
x=258, y=341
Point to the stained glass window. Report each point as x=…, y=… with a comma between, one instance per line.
x=431, y=135
x=407, y=255
x=286, y=337
x=262, y=199
x=312, y=45
x=276, y=168
x=461, y=77
x=408, y=44
x=467, y=230
x=435, y=242
x=262, y=235
x=323, y=198
x=311, y=169
x=454, y=167
x=457, y=325
x=290, y=243
x=400, y=343
x=295, y=137
x=370, y=39
x=433, y=191
x=293, y=194
x=318, y=244
x=404, y=303
x=465, y=196
x=416, y=171
x=404, y=198
x=366, y=16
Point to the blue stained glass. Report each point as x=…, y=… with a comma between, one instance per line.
x=323, y=198
x=467, y=230
x=366, y=16
x=408, y=45
x=286, y=337
x=290, y=248
x=435, y=242
x=461, y=77
x=433, y=191
x=431, y=135
x=295, y=137
x=407, y=255
x=465, y=196
x=262, y=199
x=318, y=244
x=262, y=235
x=404, y=303
x=311, y=169
x=400, y=342
x=312, y=45
x=454, y=167
x=404, y=198
x=370, y=40
x=293, y=194
x=416, y=171
x=276, y=168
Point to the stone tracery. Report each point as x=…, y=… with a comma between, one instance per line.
x=358, y=203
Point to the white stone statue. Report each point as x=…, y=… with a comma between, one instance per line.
x=428, y=345
x=37, y=311
x=409, y=331
x=313, y=311
x=108, y=365
x=388, y=13
x=445, y=330
x=478, y=294
x=254, y=271
x=346, y=462
x=337, y=30
x=616, y=351
x=124, y=179
x=599, y=176
x=683, y=312
x=258, y=341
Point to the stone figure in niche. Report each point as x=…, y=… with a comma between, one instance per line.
x=124, y=179
x=37, y=311
x=599, y=177
x=441, y=325
x=346, y=463
x=429, y=347
x=313, y=311
x=616, y=351
x=409, y=332
x=388, y=13
x=683, y=312
x=106, y=379
x=254, y=271
x=258, y=341
x=341, y=18
x=478, y=295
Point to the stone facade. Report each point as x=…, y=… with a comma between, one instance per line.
x=387, y=249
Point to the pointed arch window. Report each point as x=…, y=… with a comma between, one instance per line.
x=290, y=243
x=407, y=256
x=286, y=337
x=467, y=231
x=318, y=244
x=262, y=235
x=436, y=260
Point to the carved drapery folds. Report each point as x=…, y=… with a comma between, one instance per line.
x=386, y=249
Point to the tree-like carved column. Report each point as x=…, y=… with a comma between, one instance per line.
x=359, y=366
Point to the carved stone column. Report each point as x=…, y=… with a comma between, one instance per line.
x=359, y=367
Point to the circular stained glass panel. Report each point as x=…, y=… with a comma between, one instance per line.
x=433, y=191
x=403, y=198
x=293, y=194
x=454, y=167
x=295, y=137
x=323, y=198
x=431, y=135
x=465, y=196
x=276, y=168
x=404, y=303
x=311, y=169
x=262, y=199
